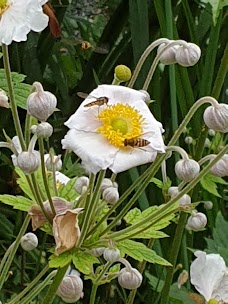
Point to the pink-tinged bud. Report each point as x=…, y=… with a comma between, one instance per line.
x=28, y=162
x=29, y=241
x=110, y=195
x=182, y=279
x=130, y=278
x=81, y=184
x=184, y=201
x=97, y=252
x=197, y=221
x=41, y=104
x=187, y=169
x=4, y=103
x=70, y=289
x=188, y=55
x=220, y=169
x=169, y=55
x=44, y=129
x=216, y=117
x=111, y=255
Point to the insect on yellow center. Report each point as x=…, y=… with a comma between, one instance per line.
x=4, y=5
x=120, y=122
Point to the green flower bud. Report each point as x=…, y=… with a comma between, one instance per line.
x=122, y=73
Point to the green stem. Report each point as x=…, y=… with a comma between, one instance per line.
x=44, y=175
x=13, y=250
x=13, y=104
x=50, y=296
x=27, y=129
x=93, y=294
x=29, y=287
x=173, y=257
x=37, y=290
x=88, y=205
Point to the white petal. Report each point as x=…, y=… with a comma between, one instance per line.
x=62, y=178
x=36, y=19
x=206, y=272
x=93, y=149
x=125, y=160
x=221, y=292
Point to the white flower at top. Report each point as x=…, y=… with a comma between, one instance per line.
x=19, y=17
x=209, y=275
x=99, y=135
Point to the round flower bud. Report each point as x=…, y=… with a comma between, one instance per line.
x=28, y=162
x=184, y=201
x=187, y=169
x=106, y=183
x=220, y=169
x=211, y=132
x=213, y=301
x=188, y=140
x=115, y=185
x=110, y=195
x=44, y=129
x=188, y=55
x=169, y=55
x=97, y=252
x=182, y=279
x=197, y=221
x=70, y=289
x=129, y=278
x=41, y=104
x=111, y=254
x=29, y=241
x=207, y=143
x=208, y=205
x=216, y=117
x=53, y=162
x=81, y=184
x=4, y=103
x=122, y=73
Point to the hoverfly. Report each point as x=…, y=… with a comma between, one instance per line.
x=84, y=45
x=99, y=101
x=136, y=142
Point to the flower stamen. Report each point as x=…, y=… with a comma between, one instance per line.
x=4, y=6
x=120, y=122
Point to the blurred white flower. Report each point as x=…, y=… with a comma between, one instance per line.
x=19, y=17
x=209, y=275
x=100, y=135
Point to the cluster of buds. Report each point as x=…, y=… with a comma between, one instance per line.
x=184, y=201
x=185, y=54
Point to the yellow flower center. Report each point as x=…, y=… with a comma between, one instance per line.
x=3, y=6
x=120, y=122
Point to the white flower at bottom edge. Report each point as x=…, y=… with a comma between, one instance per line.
x=97, y=133
x=209, y=275
x=19, y=17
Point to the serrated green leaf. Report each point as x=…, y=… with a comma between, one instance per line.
x=18, y=202
x=60, y=260
x=84, y=261
x=67, y=191
x=151, y=234
x=23, y=184
x=208, y=184
x=140, y=252
x=21, y=90
x=133, y=216
x=217, y=180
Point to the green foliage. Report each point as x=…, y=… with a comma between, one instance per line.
x=209, y=182
x=21, y=90
x=17, y=202
x=216, y=5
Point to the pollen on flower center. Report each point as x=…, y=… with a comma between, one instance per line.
x=4, y=5
x=120, y=122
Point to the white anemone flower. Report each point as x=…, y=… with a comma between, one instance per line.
x=100, y=134
x=19, y=17
x=209, y=275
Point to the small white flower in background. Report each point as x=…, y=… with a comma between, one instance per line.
x=53, y=162
x=209, y=275
x=61, y=178
x=71, y=288
x=220, y=169
x=216, y=117
x=197, y=221
x=99, y=135
x=81, y=184
x=29, y=241
x=18, y=18
x=4, y=101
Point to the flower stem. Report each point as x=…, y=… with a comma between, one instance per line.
x=44, y=175
x=13, y=250
x=173, y=257
x=50, y=296
x=13, y=104
x=29, y=287
x=93, y=294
